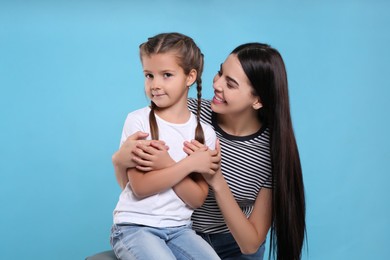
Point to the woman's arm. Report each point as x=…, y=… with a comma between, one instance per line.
x=251, y=232
x=123, y=158
x=129, y=156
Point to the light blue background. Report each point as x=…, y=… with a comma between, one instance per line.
x=70, y=73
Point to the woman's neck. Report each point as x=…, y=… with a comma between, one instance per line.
x=239, y=125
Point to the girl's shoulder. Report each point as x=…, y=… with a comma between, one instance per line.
x=139, y=113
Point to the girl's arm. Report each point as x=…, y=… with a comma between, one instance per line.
x=147, y=184
x=251, y=232
x=192, y=190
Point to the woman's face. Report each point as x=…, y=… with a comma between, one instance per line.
x=233, y=93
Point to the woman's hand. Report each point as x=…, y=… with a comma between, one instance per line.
x=123, y=158
x=152, y=155
x=207, y=161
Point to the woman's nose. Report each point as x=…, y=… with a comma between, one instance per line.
x=217, y=83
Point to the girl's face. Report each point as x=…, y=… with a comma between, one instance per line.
x=233, y=93
x=166, y=84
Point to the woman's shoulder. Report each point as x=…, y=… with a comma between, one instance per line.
x=259, y=139
x=193, y=104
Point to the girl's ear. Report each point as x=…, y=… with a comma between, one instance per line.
x=191, y=77
x=257, y=104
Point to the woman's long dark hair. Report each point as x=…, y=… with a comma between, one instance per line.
x=189, y=57
x=266, y=71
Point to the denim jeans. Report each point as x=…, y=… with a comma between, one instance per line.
x=143, y=242
x=227, y=248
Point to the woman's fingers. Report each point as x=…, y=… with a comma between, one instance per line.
x=138, y=135
x=144, y=168
x=218, y=146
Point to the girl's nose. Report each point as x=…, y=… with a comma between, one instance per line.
x=155, y=85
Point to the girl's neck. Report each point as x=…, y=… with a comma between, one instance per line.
x=176, y=114
x=239, y=125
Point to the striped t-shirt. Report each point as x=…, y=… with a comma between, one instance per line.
x=246, y=166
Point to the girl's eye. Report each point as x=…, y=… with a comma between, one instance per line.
x=148, y=76
x=167, y=75
x=219, y=73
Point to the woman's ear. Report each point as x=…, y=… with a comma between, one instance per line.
x=257, y=104
x=191, y=77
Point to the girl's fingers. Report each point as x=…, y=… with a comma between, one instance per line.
x=197, y=144
x=153, y=147
x=188, y=151
x=141, y=162
x=140, y=154
x=190, y=147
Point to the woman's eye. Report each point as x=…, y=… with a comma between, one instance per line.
x=219, y=73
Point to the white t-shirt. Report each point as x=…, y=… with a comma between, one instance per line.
x=164, y=209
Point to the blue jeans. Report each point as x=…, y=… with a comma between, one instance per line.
x=227, y=248
x=143, y=242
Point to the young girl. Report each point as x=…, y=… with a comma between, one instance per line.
x=152, y=217
x=260, y=185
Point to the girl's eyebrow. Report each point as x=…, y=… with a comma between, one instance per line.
x=168, y=70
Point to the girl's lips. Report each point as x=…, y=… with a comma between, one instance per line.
x=157, y=94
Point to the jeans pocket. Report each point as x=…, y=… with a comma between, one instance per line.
x=115, y=234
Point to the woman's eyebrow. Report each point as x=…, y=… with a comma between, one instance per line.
x=232, y=80
x=227, y=77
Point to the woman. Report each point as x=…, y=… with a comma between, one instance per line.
x=259, y=185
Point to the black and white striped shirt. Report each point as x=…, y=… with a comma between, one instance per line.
x=246, y=166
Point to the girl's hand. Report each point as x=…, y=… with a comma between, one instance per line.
x=152, y=156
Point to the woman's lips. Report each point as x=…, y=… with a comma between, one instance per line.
x=218, y=100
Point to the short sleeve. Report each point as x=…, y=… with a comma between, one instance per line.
x=135, y=121
x=210, y=136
